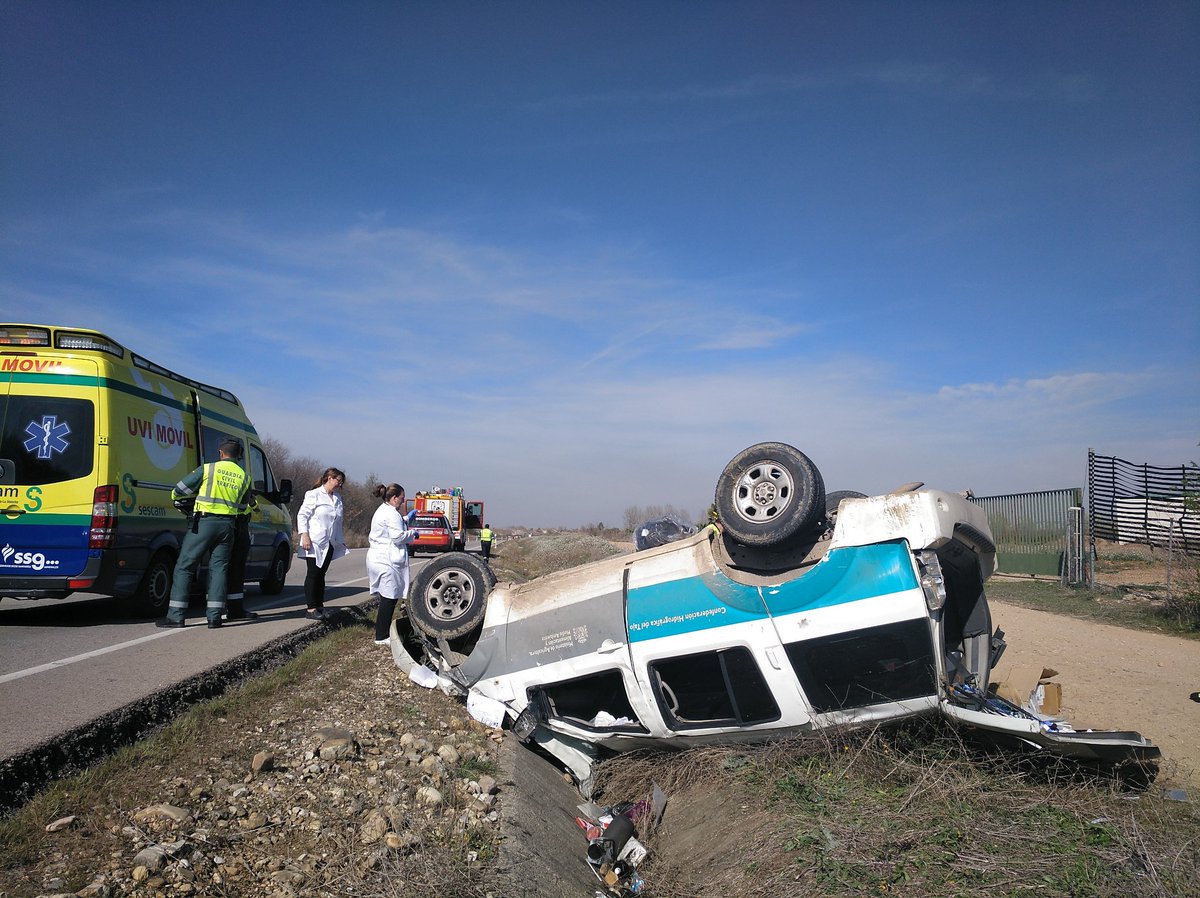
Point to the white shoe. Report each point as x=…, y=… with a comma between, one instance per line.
x=383, y=642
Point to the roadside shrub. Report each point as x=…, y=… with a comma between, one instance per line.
x=1182, y=604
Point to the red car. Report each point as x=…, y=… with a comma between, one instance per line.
x=433, y=534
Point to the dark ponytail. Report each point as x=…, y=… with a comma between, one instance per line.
x=391, y=491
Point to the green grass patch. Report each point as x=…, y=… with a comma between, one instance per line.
x=1104, y=605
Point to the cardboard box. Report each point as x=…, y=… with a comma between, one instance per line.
x=1030, y=687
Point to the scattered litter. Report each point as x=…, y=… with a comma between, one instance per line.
x=1030, y=687
x=613, y=849
x=422, y=676
x=604, y=719
x=488, y=711
x=1175, y=795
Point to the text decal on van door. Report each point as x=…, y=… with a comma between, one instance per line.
x=48, y=437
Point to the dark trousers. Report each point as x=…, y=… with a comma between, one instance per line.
x=314, y=582
x=236, y=579
x=486, y=545
x=211, y=532
x=383, y=618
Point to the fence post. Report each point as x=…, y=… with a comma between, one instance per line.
x=1073, y=572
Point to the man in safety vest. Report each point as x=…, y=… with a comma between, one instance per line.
x=485, y=540
x=235, y=597
x=220, y=490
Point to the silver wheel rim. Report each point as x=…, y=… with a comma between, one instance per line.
x=763, y=492
x=160, y=585
x=450, y=595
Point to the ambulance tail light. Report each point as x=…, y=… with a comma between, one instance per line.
x=17, y=335
x=104, y=518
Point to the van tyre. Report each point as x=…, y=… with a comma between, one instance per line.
x=154, y=592
x=449, y=595
x=272, y=583
x=770, y=493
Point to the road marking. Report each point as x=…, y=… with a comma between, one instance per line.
x=63, y=662
x=74, y=659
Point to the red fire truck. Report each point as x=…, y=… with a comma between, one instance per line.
x=463, y=514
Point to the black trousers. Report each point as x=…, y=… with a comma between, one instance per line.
x=235, y=600
x=383, y=618
x=314, y=582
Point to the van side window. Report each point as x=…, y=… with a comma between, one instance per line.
x=723, y=688
x=871, y=666
x=262, y=481
x=598, y=701
x=213, y=439
x=48, y=439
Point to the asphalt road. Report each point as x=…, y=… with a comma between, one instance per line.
x=66, y=662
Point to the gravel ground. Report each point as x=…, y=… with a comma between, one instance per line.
x=351, y=782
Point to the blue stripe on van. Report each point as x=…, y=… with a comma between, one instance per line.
x=81, y=380
x=55, y=550
x=713, y=600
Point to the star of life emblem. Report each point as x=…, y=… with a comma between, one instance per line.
x=47, y=437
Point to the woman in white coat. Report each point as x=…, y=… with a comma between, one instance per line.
x=387, y=556
x=319, y=521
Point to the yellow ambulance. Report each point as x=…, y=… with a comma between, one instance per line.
x=93, y=437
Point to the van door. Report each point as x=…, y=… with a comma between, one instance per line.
x=270, y=524
x=48, y=465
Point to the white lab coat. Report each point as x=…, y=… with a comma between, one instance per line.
x=387, y=553
x=320, y=516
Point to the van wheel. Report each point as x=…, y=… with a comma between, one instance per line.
x=769, y=493
x=154, y=592
x=449, y=595
x=272, y=584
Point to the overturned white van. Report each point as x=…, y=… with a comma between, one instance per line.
x=787, y=616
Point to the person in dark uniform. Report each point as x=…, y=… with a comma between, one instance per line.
x=235, y=599
x=220, y=490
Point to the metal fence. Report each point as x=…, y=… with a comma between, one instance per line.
x=1031, y=529
x=1148, y=504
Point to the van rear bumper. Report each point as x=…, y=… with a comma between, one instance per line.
x=34, y=588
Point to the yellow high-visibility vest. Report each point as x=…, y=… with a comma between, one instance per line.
x=224, y=488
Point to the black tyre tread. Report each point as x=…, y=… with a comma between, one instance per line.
x=271, y=585
x=144, y=602
x=834, y=499
x=426, y=581
x=804, y=511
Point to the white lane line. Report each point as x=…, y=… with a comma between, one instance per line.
x=63, y=662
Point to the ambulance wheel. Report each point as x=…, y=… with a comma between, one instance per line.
x=768, y=494
x=154, y=592
x=449, y=595
x=272, y=584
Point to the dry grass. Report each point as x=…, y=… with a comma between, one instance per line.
x=901, y=810
x=525, y=559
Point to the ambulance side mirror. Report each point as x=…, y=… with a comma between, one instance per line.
x=284, y=495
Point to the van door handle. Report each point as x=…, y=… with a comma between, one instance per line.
x=773, y=658
x=608, y=646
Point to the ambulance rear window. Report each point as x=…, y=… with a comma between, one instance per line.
x=47, y=439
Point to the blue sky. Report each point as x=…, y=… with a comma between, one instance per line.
x=575, y=256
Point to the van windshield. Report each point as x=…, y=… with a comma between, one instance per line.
x=48, y=439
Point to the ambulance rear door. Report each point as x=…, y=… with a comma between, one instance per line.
x=48, y=471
